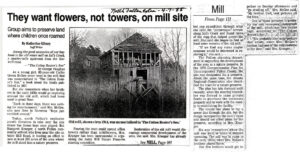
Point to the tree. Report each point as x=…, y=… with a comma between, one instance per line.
x=76, y=39
x=77, y=52
x=98, y=50
x=173, y=44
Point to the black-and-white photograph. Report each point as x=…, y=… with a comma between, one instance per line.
x=127, y=72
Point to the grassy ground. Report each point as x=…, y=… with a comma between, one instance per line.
x=92, y=95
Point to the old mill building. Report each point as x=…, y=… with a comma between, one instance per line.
x=135, y=63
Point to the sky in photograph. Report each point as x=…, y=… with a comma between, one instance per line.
x=102, y=37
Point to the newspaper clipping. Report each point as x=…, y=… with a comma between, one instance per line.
x=135, y=76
